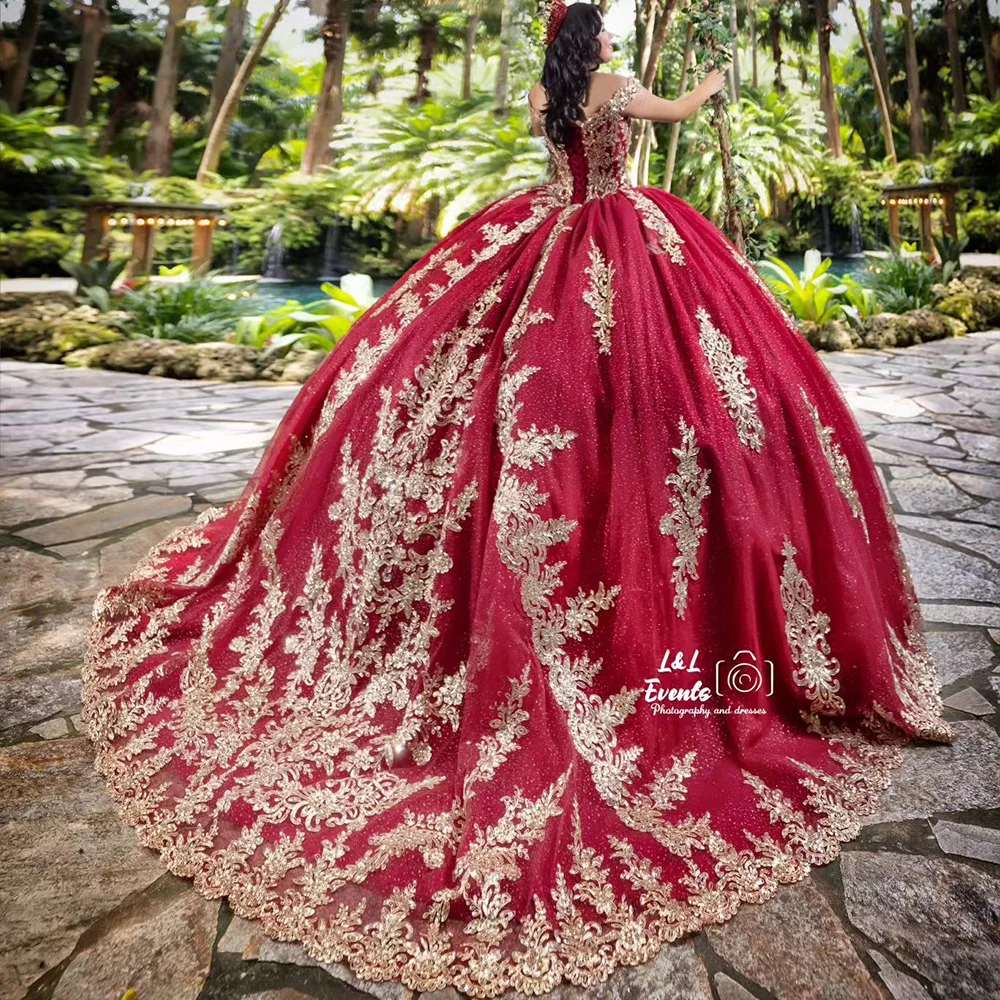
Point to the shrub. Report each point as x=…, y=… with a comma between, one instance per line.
x=33, y=253
x=982, y=226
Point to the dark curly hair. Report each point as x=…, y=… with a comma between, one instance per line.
x=569, y=60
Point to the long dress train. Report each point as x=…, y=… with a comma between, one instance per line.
x=564, y=612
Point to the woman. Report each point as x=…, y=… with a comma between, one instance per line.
x=564, y=613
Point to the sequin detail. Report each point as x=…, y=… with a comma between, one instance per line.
x=837, y=461
x=600, y=296
x=684, y=522
x=729, y=372
x=806, y=629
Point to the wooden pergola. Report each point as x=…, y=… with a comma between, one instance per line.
x=145, y=219
x=923, y=196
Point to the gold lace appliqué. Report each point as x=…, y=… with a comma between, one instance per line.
x=729, y=372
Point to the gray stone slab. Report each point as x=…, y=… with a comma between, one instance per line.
x=935, y=915
x=971, y=702
x=968, y=840
x=940, y=572
x=67, y=859
x=960, y=653
x=107, y=519
x=793, y=944
x=940, y=778
x=159, y=944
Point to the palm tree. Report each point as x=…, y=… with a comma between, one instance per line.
x=951, y=9
x=407, y=160
x=93, y=19
x=217, y=137
x=229, y=50
x=159, y=140
x=827, y=97
x=776, y=141
x=913, y=83
x=890, y=146
x=27, y=34
x=878, y=39
x=991, y=49
x=330, y=104
x=503, y=70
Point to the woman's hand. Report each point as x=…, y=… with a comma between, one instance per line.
x=714, y=81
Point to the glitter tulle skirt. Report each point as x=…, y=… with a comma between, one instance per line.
x=563, y=614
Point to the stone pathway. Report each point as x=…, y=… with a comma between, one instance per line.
x=98, y=466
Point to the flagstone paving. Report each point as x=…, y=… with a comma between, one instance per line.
x=99, y=466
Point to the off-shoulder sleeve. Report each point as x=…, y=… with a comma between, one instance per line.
x=622, y=97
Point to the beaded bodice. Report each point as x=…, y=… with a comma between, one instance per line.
x=595, y=162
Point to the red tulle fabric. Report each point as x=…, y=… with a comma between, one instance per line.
x=403, y=700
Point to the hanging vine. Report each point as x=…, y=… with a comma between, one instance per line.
x=713, y=40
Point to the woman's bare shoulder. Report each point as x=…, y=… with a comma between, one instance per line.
x=600, y=86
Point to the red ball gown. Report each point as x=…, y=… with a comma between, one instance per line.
x=564, y=613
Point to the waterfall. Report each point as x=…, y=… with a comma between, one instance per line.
x=857, y=245
x=331, y=248
x=824, y=214
x=274, y=254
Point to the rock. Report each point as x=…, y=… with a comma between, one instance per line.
x=976, y=310
x=899, y=984
x=916, y=326
x=246, y=938
x=936, y=916
x=28, y=578
x=103, y=520
x=67, y=859
x=968, y=840
x=794, y=945
x=31, y=698
x=302, y=364
x=944, y=777
x=159, y=944
x=729, y=989
x=832, y=336
x=52, y=729
x=971, y=702
x=173, y=359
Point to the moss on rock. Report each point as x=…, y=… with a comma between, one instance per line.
x=173, y=359
x=833, y=336
x=888, y=329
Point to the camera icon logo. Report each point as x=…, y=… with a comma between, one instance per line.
x=744, y=675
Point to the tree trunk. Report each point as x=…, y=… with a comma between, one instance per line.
x=121, y=101
x=220, y=130
x=774, y=21
x=890, y=146
x=229, y=51
x=159, y=141
x=469, y=49
x=991, y=50
x=93, y=24
x=675, y=127
x=734, y=78
x=27, y=35
x=500, y=90
x=959, y=102
x=656, y=34
x=330, y=104
x=913, y=83
x=753, y=44
x=881, y=57
x=827, y=98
